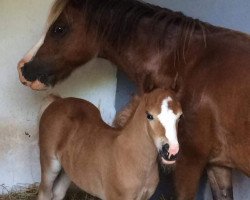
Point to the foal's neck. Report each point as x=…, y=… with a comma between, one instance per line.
x=135, y=139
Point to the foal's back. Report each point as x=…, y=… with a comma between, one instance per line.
x=70, y=121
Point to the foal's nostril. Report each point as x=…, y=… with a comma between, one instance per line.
x=173, y=157
x=165, y=147
x=166, y=155
x=165, y=151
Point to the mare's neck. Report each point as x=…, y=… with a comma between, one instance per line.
x=144, y=61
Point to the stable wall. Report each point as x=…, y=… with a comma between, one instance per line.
x=21, y=24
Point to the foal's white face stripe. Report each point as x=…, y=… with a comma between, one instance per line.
x=168, y=120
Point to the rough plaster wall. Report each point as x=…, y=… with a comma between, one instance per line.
x=232, y=14
x=21, y=24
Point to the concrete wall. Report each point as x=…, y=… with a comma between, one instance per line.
x=21, y=24
x=232, y=14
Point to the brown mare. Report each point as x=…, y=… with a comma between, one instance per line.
x=208, y=67
x=110, y=163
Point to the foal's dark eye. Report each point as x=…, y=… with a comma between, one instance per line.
x=149, y=116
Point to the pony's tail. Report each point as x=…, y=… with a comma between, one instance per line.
x=47, y=101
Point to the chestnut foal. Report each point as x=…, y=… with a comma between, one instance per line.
x=110, y=163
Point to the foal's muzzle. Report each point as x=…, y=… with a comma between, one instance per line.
x=166, y=156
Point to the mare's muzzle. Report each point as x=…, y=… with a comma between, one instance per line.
x=37, y=75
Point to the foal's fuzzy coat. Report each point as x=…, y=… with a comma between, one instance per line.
x=75, y=144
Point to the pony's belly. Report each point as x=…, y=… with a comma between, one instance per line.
x=88, y=181
x=84, y=173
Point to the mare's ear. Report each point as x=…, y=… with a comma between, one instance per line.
x=148, y=84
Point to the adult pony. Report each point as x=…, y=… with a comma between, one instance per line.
x=208, y=66
x=110, y=163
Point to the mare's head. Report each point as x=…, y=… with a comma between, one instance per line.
x=64, y=47
x=163, y=112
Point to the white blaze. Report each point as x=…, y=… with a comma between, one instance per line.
x=31, y=53
x=168, y=119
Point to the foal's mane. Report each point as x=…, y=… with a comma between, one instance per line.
x=116, y=21
x=122, y=118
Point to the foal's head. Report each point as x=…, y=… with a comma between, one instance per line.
x=64, y=47
x=163, y=112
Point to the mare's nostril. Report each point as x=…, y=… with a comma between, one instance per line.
x=23, y=69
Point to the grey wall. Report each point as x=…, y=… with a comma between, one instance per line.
x=234, y=14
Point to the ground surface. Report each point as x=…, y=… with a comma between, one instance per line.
x=30, y=193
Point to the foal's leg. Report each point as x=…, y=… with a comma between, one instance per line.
x=220, y=179
x=61, y=186
x=50, y=168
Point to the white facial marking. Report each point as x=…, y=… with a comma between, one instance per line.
x=32, y=52
x=168, y=120
x=158, y=143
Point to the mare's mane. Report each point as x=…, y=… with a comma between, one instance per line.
x=116, y=21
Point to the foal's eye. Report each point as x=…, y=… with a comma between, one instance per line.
x=149, y=116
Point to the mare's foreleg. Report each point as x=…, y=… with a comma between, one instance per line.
x=187, y=176
x=220, y=179
x=50, y=168
x=194, y=135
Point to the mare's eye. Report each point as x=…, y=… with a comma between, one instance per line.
x=59, y=30
x=149, y=116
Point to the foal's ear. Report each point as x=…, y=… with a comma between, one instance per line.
x=148, y=84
